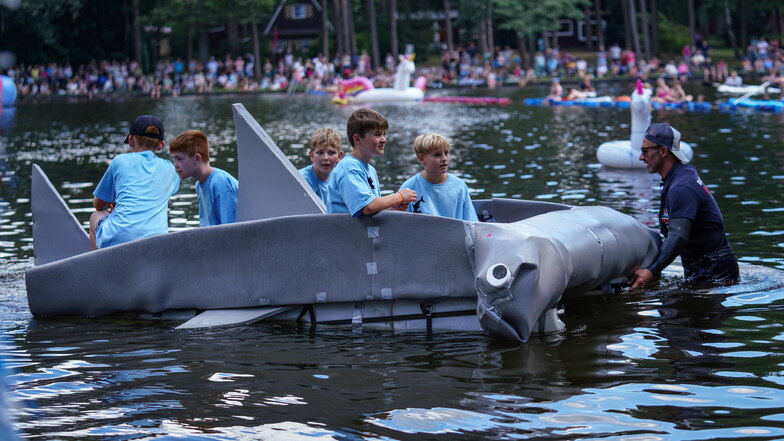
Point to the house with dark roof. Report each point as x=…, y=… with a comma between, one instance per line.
x=294, y=25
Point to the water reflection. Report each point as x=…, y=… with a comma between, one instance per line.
x=670, y=364
x=634, y=192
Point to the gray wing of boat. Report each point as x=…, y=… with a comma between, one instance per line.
x=270, y=186
x=56, y=232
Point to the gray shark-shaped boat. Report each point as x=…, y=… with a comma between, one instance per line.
x=285, y=259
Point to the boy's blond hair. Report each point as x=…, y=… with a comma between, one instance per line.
x=325, y=137
x=430, y=143
x=191, y=142
x=363, y=120
x=147, y=142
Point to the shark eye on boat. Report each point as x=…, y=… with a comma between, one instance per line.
x=498, y=275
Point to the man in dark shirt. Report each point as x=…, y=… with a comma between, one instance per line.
x=689, y=217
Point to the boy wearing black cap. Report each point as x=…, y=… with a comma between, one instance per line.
x=138, y=185
x=689, y=216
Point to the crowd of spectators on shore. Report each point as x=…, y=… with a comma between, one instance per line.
x=462, y=67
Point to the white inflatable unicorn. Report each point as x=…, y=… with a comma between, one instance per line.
x=361, y=89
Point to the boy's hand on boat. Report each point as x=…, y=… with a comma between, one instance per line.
x=408, y=195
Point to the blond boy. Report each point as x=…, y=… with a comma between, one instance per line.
x=216, y=189
x=354, y=185
x=440, y=193
x=325, y=152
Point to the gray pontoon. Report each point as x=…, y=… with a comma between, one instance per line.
x=285, y=259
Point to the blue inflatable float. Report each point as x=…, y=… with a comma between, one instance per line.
x=762, y=105
x=594, y=102
x=692, y=106
x=9, y=91
x=590, y=102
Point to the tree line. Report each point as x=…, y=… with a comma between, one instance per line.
x=78, y=31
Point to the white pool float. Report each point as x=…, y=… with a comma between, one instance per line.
x=626, y=153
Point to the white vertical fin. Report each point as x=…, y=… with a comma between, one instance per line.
x=269, y=185
x=56, y=232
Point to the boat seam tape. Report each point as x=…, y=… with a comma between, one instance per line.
x=470, y=233
x=372, y=268
x=601, y=247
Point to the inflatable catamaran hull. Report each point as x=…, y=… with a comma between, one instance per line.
x=404, y=270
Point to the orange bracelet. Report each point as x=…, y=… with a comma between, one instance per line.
x=401, y=197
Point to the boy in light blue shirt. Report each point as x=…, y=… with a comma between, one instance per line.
x=354, y=185
x=217, y=189
x=132, y=199
x=325, y=152
x=439, y=193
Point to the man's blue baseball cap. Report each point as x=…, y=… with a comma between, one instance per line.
x=665, y=135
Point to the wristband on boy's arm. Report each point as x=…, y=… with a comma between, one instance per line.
x=400, y=196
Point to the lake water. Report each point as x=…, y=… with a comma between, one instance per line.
x=666, y=363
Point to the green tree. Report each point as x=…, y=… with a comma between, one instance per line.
x=529, y=19
x=64, y=31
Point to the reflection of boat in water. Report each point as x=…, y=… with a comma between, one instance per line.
x=7, y=115
x=626, y=154
x=401, y=270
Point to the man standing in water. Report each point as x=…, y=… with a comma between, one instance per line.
x=689, y=217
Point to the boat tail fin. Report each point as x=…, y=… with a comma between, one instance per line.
x=56, y=232
x=264, y=167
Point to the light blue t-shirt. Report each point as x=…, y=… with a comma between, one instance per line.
x=321, y=188
x=448, y=199
x=217, y=199
x=140, y=184
x=352, y=185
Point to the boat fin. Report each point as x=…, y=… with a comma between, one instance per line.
x=228, y=317
x=56, y=232
x=262, y=166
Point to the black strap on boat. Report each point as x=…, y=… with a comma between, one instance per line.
x=427, y=310
x=400, y=318
x=307, y=309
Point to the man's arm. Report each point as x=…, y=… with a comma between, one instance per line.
x=672, y=246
